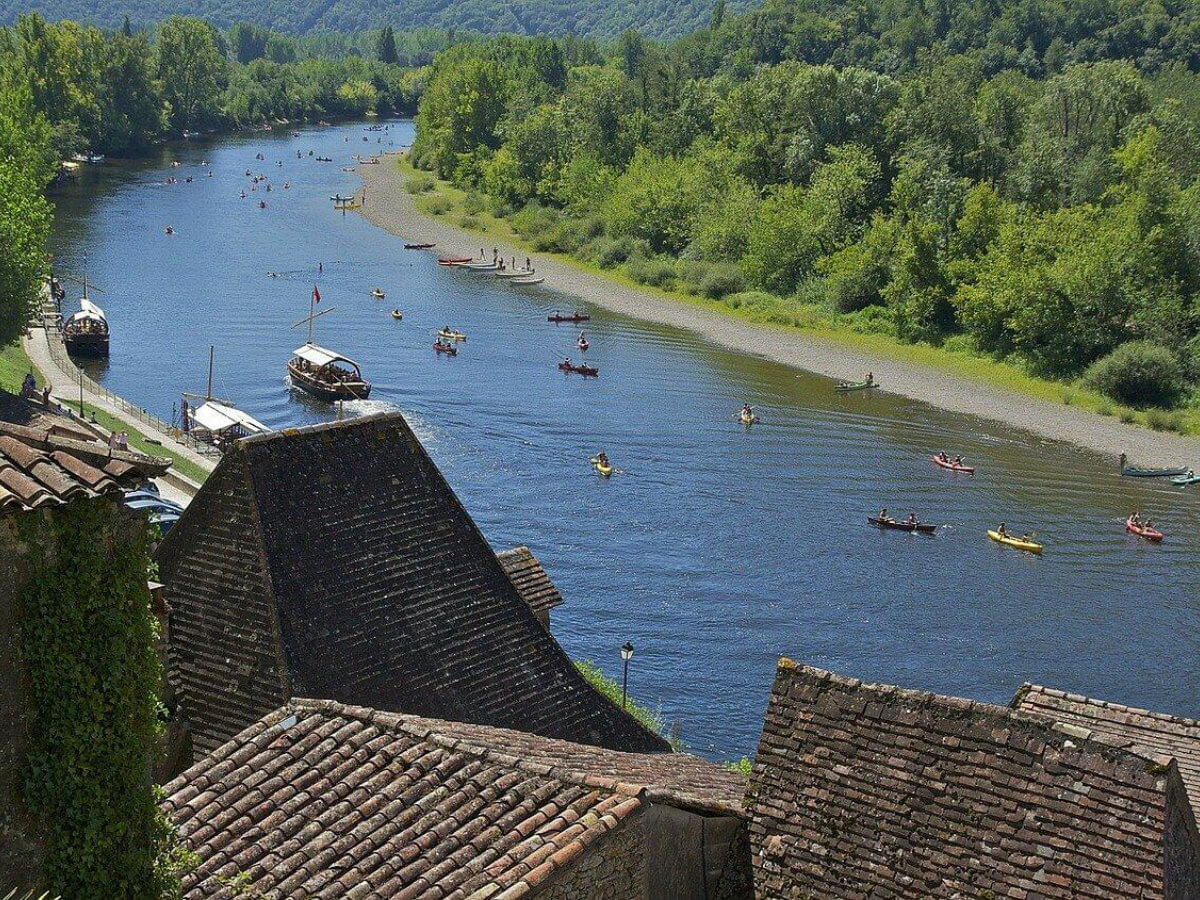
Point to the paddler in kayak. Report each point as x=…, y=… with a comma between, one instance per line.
x=1002, y=530
x=912, y=518
x=602, y=459
x=883, y=516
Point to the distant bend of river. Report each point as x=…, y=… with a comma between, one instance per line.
x=714, y=549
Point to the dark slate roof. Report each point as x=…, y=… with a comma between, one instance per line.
x=323, y=800
x=870, y=790
x=42, y=467
x=1139, y=730
x=530, y=579
x=336, y=562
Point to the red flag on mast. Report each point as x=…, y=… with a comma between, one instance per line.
x=316, y=294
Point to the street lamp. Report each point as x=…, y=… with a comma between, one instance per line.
x=626, y=655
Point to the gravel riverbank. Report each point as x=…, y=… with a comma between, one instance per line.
x=393, y=209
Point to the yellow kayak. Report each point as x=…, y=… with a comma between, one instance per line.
x=603, y=469
x=452, y=335
x=1018, y=543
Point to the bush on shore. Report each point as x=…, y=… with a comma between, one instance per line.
x=1138, y=374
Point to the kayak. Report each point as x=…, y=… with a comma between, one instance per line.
x=448, y=349
x=1191, y=478
x=397, y=315
x=535, y=280
x=918, y=527
x=1018, y=543
x=747, y=420
x=949, y=464
x=455, y=260
x=452, y=335
x=415, y=246
x=604, y=470
x=582, y=345
x=377, y=293
x=855, y=386
x=585, y=371
x=572, y=318
x=1144, y=531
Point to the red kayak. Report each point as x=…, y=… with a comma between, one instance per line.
x=445, y=348
x=1144, y=531
x=585, y=371
x=454, y=261
x=954, y=467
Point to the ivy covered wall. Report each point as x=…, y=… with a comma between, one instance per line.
x=82, y=632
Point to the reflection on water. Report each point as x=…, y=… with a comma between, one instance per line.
x=717, y=549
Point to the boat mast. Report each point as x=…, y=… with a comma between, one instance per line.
x=208, y=394
x=312, y=305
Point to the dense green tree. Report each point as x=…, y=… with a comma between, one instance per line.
x=24, y=228
x=192, y=71
x=386, y=51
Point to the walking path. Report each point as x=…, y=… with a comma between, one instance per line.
x=393, y=209
x=45, y=350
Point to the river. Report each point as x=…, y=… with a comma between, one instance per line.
x=717, y=548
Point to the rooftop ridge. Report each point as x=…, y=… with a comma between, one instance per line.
x=1029, y=688
x=318, y=427
x=437, y=731
x=1138, y=754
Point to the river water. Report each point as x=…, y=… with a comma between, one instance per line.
x=716, y=549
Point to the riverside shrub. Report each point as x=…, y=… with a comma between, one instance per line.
x=1138, y=374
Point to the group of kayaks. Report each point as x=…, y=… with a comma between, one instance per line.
x=1134, y=525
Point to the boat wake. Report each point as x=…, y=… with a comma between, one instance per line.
x=358, y=408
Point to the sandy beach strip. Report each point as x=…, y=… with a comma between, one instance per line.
x=392, y=208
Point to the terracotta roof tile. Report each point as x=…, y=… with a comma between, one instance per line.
x=321, y=799
x=335, y=561
x=870, y=790
x=1138, y=730
x=42, y=467
x=530, y=579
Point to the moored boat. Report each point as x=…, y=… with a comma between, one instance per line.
x=1143, y=530
x=86, y=332
x=1018, y=543
x=537, y=279
x=847, y=386
x=426, y=246
x=901, y=525
x=454, y=260
x=1136, y=472
x=215, y=421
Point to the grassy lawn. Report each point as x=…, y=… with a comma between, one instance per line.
x=451, y=204
x=13, y=366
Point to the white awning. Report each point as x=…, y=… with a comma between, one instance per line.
x=319, y=356
x=217, y=417
x=89, y=310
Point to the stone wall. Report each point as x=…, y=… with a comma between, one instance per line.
x=613, y=869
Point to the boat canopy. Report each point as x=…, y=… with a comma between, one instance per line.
x=218, y=417
x=89, y=310
x=319, y=356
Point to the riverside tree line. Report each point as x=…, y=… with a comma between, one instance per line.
x=1018, y=179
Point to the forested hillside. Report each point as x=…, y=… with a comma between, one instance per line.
x=593, y=18
x=1033, y=197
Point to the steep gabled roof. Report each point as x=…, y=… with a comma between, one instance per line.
x=530, y=579
x=336, y=562
x=870, y=790
x=1138, y=730
x=321, y=799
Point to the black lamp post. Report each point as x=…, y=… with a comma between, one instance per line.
x=626, y=655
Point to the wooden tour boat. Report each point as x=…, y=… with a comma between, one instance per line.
x=86, y=332
x=215, y=421
x=324, y=373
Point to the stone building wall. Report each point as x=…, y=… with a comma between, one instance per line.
x=612, y=869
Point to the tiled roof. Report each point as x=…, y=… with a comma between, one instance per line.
x=336, y=562
x=530, y=579
x=870, y=790
x=1139, y=730
x=40, y=467
x=323, y=800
